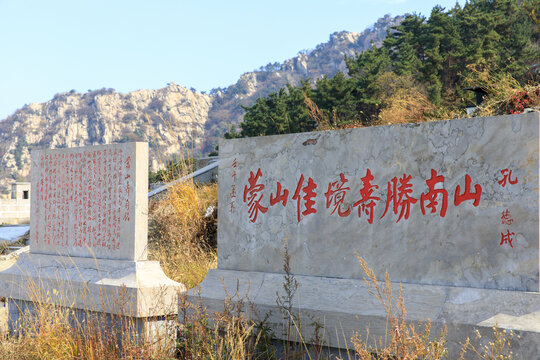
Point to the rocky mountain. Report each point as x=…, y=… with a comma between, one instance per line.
x=326, y=59
x=167, y=118
x=171, y=119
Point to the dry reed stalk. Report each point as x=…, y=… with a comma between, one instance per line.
x=182, y=237
x=506, y=95
x=50, y=327
x=402, y=341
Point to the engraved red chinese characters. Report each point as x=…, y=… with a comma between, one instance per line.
x=282, y=196
x=507, y=178
x=467, y=195
x=507, y=238
x=506, y=218
x=432, y=194
x=367, y=201
x=399, y=196
x=309, y=194
x=335, y=195
x=253, y=196
x=232, y=194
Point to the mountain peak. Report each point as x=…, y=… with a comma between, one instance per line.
x=346, y=36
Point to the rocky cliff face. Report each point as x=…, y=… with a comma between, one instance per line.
x=170, y=119
x=326, y=59
x=167, y=118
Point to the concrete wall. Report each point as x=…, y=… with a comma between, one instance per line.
x=14, y=211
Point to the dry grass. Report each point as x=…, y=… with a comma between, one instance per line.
x=224, y=335
x=500, y=348
x=182, y=232
x=48, y=331
x=181, y=228
x=324, y=122
x=402, y=100
x=506, y=95
x=407, y=106
x=405, y=101
x=403, y=340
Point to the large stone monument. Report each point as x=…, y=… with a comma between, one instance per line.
x=449, y=209
x=88, y=236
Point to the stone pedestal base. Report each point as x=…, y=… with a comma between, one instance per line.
x=344, y=306
x=135, y=290
x=157, y=331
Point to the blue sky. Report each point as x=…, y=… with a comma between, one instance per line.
x=55, y=46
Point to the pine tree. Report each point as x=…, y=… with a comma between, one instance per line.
x=334, y=97
x=364, y=69
x=281, y=112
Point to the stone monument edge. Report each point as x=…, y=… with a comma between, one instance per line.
x=140, y=227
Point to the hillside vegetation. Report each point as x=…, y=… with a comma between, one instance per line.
x=421, y=72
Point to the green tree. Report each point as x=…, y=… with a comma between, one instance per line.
x=426, y=60
x=281, y=112
x=405, y=46
x=335, y=97
x=364, y=70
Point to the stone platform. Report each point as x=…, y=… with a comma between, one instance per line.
x=136, y=289
x=344, y=306
x=88, y=241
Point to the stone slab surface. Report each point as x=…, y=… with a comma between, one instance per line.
x=345, y=306
x=90, y=201
x=136, y=289
x=444, y=203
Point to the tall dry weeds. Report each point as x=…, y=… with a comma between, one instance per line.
x=499, y=348
x=403, y=100
x=324, y=122
x=222, y=335
x=402, y=340
x=182, y=232
x=49, y=327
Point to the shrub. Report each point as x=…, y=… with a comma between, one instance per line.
x=182, y=231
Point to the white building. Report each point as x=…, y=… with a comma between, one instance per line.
x=16, y=210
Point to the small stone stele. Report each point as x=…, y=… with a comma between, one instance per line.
x=88, y=243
